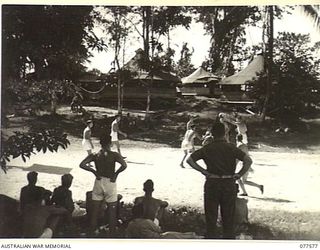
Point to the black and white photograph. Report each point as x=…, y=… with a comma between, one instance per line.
x=191, y=123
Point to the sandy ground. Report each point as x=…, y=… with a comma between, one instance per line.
x=291, y=180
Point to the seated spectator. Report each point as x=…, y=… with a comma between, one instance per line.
x=62, y=195
x=153, y=208
x=39, y=220
x=143, y=228
x=27, y=194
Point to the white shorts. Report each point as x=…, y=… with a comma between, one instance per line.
x=186, y=145
x=114, y=136
x=86, y=144
x=104, y=189
x=47, y=233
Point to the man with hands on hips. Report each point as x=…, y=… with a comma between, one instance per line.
x=220, y=187
x=105, y=187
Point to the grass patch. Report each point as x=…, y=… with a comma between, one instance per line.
x=263, y=224
x=284, y=225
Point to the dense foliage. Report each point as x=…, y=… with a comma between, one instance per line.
x=296, y=84
x=52, y=41
x=184, y=66
x=26, y=144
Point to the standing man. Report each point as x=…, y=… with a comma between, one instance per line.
x=223, y=119
x=241, y=129
x=115, y=130
x=86, y=141
x=187, y=144
x=105, y=187
x=220, y=188
x=244, y=179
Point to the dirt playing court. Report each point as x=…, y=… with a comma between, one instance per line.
x=291, y=179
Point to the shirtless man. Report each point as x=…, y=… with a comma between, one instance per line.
x=115, y=131
x=144, y=228
x=105, y=187
x=40, y=221
x=153, y=208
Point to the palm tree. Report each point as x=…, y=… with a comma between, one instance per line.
x=313, y=13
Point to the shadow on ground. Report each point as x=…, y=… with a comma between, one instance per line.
x=269, y=199
x=45, y=169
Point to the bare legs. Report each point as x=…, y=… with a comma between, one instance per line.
x=111, y=215
x=94, y=213
x=243, y=180
x=186, y=153
x=117, y=145
x=183, y=158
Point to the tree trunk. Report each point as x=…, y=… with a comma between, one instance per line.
x=119, y=95
x=53, y=102
x=146, y=49
x=269, y=63
x=230, y=52
x=116, y=59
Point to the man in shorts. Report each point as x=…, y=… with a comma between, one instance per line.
x=244, y=179
x=86, y=141
x=220, y=189
x=105, y=187
x=187, y=144
x=115, y=131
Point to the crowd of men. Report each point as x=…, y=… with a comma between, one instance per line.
x=44, y=211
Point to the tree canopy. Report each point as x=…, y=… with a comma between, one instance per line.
x=296, y=89
x=51, y=41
